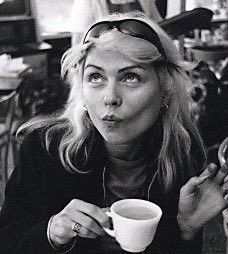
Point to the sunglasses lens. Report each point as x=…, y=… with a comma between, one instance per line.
x=135, y=28
x=96, y=31
x=141, y=30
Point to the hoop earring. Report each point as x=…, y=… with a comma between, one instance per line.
x=85, y=108
x=163, y=108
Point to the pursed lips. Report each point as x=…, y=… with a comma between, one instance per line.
x=111, y=119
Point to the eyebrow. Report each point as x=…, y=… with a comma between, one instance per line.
x=120, y=71
x=130, y=68
x=94, y=66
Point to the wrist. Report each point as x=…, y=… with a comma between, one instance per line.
x=53, y=245
x=187, y=231
x=62, y=248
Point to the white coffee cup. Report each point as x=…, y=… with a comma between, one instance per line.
x=135, y=223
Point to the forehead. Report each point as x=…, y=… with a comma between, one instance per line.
x=112, y=59
x=99, y=55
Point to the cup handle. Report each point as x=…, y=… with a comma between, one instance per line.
x=107, y=230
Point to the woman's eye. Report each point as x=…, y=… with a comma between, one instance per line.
x=132, y=78
x=95, y=78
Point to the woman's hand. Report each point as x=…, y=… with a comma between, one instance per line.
x=201, y=199
x=90, y=217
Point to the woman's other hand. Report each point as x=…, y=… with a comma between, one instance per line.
x=91, y=220
x=201, y=199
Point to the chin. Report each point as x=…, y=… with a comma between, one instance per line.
x=118, y=139
x=112, y=138
x=115, y=141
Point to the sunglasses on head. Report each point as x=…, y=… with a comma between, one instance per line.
x=133, y=27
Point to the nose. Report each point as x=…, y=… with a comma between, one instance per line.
x=112, y=96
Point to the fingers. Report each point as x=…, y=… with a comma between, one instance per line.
x=106, y=209
x=210, y=170
x=85, y=232
x=226, y=179
x=90, y=210
x=89, y=218
x=88, y=223
x=225, y=188
x=60, y=230
x=190, y=187
x=221, y=174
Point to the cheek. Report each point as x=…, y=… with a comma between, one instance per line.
x=91, y=102
x=150, y=111
x=149, y=102
x=90, y=97
x=148, y=114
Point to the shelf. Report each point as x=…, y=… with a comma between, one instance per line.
x=208, y=54
x=219, y=21
x=16, y=18
x=49, y=36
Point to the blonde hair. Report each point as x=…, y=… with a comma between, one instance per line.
x=179, y=132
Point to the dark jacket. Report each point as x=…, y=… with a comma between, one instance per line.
x=40, y=186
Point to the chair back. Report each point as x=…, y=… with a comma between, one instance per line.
x=7, y=107
x=7, y=112
x=181, y=24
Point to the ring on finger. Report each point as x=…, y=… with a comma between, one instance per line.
x=76, y=227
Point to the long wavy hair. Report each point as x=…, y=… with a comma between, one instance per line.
x=180, y=137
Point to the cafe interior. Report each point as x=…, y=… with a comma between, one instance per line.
x=35, y=33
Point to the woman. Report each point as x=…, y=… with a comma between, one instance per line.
x=125, y=132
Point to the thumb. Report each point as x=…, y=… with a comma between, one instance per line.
x=190, y=187
x=106, y=209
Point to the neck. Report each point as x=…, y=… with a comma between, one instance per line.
x=128, y=151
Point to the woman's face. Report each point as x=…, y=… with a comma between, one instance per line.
x=123, y=98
